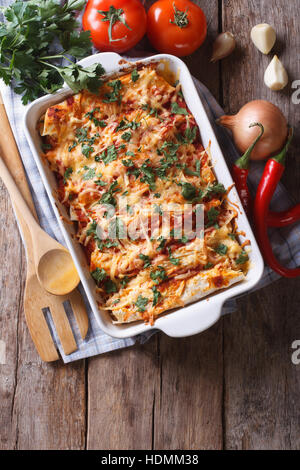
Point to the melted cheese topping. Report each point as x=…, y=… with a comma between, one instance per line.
x=121, y=157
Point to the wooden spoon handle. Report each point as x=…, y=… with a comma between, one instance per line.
x=10, y=155
x=16, y=196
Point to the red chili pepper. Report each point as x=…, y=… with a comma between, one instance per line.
x=271, y=176
x=284, y=218
x=240, y=171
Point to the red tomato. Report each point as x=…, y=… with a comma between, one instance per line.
x=119, y=26
x=176, y=26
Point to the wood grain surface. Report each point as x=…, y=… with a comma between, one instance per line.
x=232, y=387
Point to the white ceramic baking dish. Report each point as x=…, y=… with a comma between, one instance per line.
x=184, y=321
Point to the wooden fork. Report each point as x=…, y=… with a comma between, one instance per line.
x=36, y=299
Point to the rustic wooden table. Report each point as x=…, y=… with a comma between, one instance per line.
x=232, y=387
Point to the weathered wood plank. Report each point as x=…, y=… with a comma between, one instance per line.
x=261, y=383
x=188, y=405
x=11, y=285
x=42, y=406
x=121, y=396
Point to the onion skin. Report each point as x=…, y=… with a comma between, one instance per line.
x=274, y=122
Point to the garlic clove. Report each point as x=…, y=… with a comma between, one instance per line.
x=223, y=46
x=276, y=76
x=264, y=37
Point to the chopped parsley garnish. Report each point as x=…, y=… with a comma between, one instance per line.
x=97, y=122
x=232, y=236
x=151, y=111
x=221, y=249
x=190, y=134
x=159, y=275
x=109, y=155
x=129, y=154
x=90, y=174
x=114, y=95
x=191, y=172
x=99, y=182
x=126, y=136
x=162, y=243
x=107, y=197
x=129, y=209
x=175, y=108
x=99, y=275
x=156, y=295
x=212, y=216
x=188, y=191
x=148, y=175
x=173, y=260
x=157, y=195
x=146, y=259
x=208, y=265
x=86, y=150
x=125, y=124
x=134, y=75
x=177, y=235
x=72, y=146
x=124, y=281
x=242, y=258
x=213, y=190
x=141, y=303
x=128, y=163
x=110, y=287
x=67, y=174
x=81, y=134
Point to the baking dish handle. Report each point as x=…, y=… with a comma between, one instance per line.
x=193, y=320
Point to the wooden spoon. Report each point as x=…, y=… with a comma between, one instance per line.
x=53, y=263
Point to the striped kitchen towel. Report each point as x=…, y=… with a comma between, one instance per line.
x=285, y=241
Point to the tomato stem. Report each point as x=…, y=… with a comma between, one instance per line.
x=113, y=15
x=180, y=17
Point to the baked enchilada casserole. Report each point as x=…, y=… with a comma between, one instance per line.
x=131, y=170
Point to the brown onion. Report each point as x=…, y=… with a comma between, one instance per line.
x=274, y=122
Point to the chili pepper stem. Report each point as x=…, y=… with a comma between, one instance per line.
x=280, y=157
x=243, y=161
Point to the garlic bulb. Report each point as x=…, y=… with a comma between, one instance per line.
x=276, y=76
x=264, y=37
x=223, y=46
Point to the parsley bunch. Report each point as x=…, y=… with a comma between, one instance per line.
x=35, y=37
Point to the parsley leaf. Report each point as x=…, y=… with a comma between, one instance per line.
x=188, y=191
x=116, y=86
x=134, y=75
x=99, y=275
x=28, y=36
x=126, y=136
x=89, y=174
x=146, y=259
x=67, y=174
x=175, y=108
x=159, y=275
x=208, y=265
x=110, y=287
x=221, y=249
x=141, y=303
x=107, y=197
x=173, y=260
x=242, y=258
x=109, y=155
x=156, y=295
x=212, y=216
